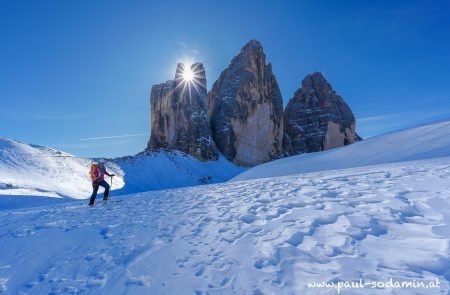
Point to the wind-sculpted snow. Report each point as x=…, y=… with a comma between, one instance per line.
x=265, y=236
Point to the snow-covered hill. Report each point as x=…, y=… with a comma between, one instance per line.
x=264, y=236
x=164, y=170
x=30, y=171
x=428, y=141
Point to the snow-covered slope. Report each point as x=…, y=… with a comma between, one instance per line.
x=264, y=236
x=27, y=170
x=163, y=170
x=428, y=141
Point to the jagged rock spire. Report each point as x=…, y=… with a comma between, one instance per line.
x=179, y=118
x=246, y=108
x=317, y=119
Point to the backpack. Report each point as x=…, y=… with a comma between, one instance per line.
x=93, y=171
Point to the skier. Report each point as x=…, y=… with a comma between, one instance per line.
x=97, y=174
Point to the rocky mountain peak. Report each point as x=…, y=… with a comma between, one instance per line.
x=253, y=46
x=181, y=67
x=315, y=84
x=317, y=119
x=246, y=108
x=179, y=119
x=250, y=59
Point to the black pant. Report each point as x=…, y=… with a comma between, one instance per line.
x=95, y=186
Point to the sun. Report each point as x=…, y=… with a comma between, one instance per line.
x=188, y=74
x=190, y=77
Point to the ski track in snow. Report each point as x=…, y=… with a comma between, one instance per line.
x=265, y=236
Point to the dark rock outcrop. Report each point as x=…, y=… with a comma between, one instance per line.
x=246, y=109
x=317, y=119
x=179, y=119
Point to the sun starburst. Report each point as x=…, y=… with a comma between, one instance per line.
x=188, y=74
x=191, y=77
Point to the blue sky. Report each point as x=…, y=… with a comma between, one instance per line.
x=76, y=75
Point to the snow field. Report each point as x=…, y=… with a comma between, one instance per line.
x=264, y=236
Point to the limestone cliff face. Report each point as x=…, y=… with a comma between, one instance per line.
x=246, y=109
x=179, y=119
x=242, y=116
x=317, y=119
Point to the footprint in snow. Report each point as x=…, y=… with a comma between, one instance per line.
x=105, y=233
x=249, y=218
